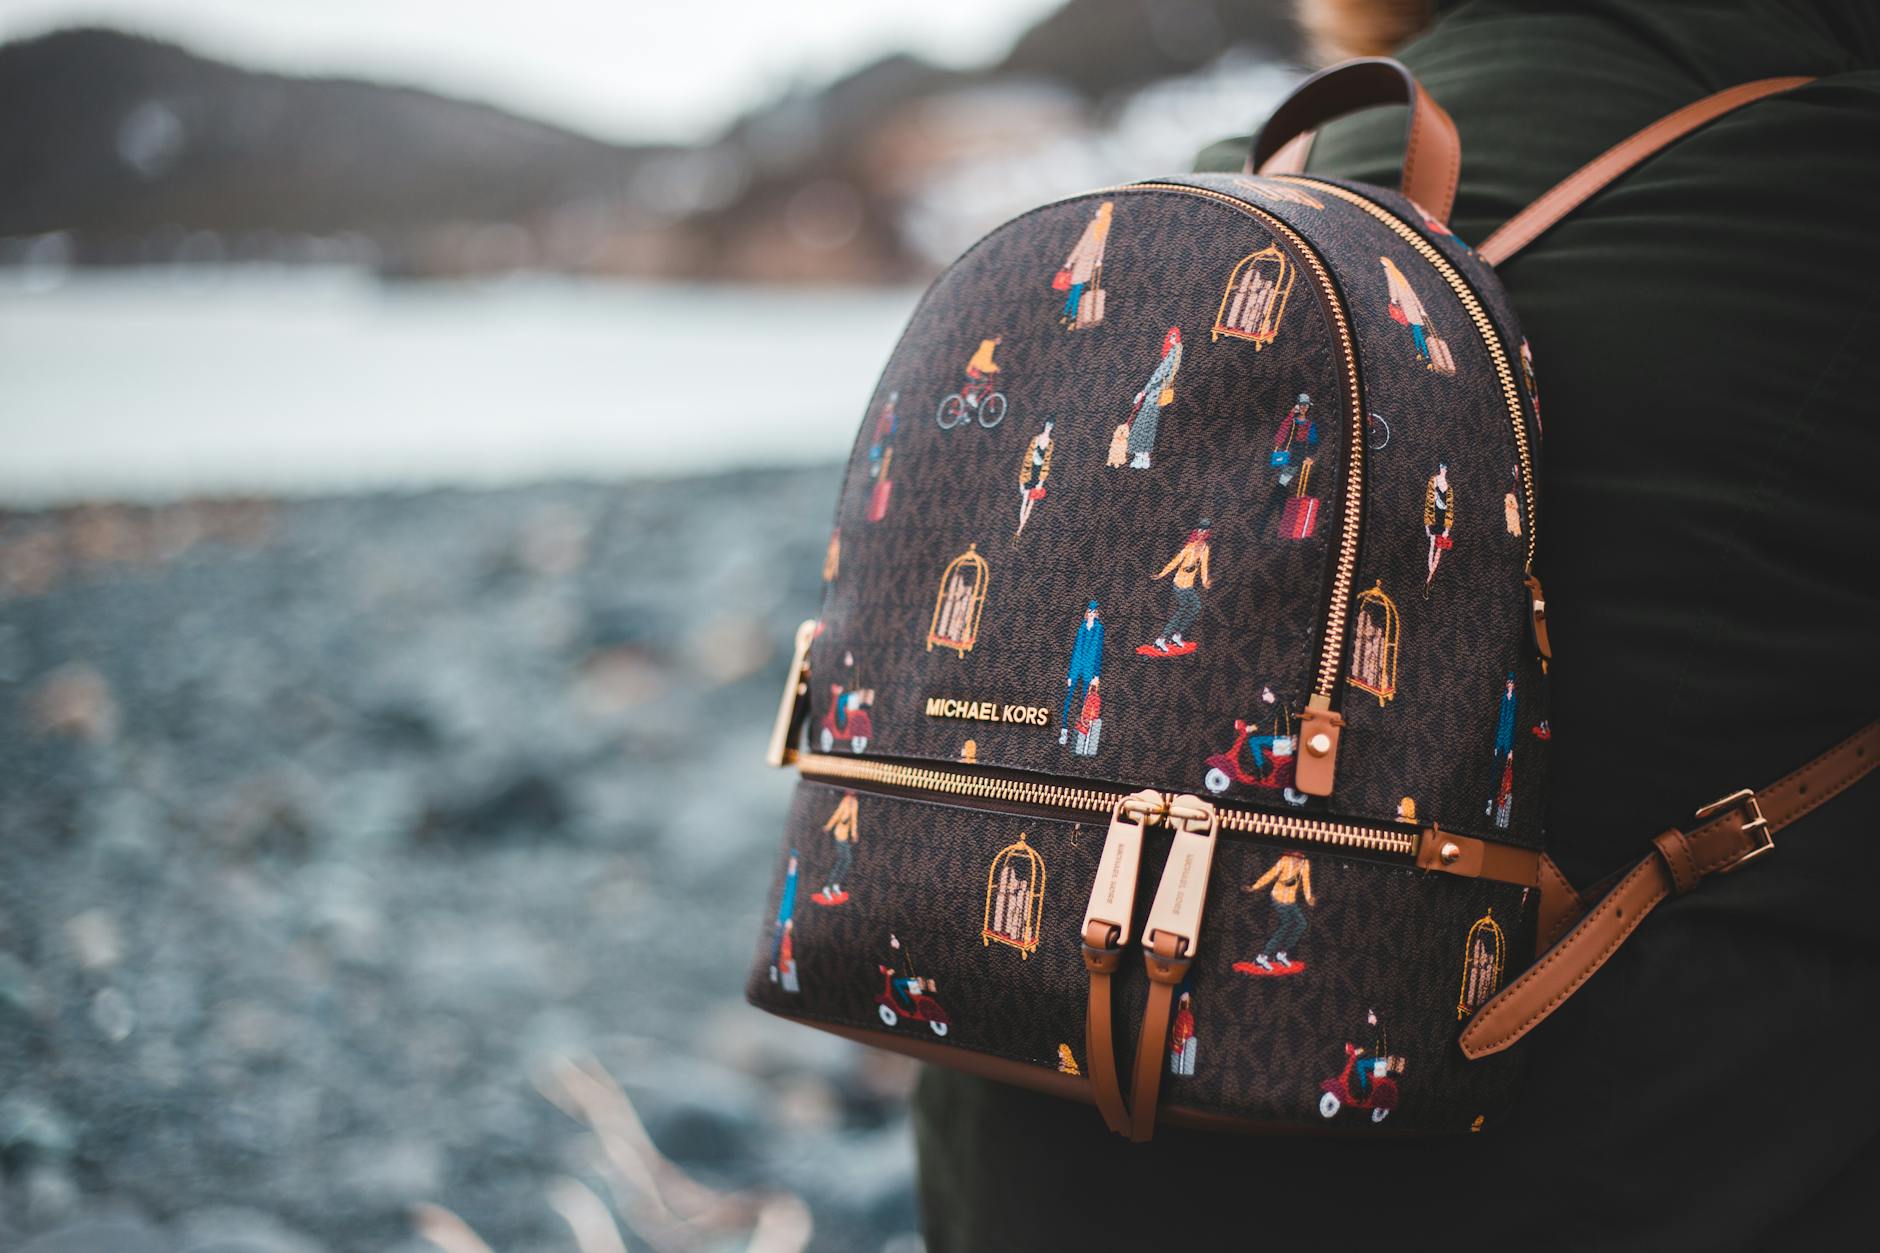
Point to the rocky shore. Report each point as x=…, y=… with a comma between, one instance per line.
x=381, y=872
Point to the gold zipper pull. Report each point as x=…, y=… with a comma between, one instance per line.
x=1537, y=611
x=1113, y=895
x=795, y=704
x=1317, y=759
x=1175, y=914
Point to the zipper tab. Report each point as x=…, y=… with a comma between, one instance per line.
x=795, y=704
x=1537, y=614
x=1113, y=895
x=1317, y=762
x=1174, y=924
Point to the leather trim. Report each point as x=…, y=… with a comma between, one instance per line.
x=1166, y=970
x=1678, y=861
x=1432, y=161
x=1561, y=906
x=1073, y=1088
x=1576, y=188
x=1099, y=1038
x=1290, y=158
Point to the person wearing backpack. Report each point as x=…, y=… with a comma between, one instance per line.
x=1702, y=329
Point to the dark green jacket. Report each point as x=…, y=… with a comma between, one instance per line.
x=1704, y=333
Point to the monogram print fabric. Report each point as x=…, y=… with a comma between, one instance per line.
x=1378, y=958
x=1104, y=544
x=1091, y=531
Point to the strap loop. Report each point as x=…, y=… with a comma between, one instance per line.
x=1432, y=161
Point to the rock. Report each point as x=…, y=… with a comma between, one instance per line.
x=240, y=1231
x=94, y=938
x=21, y=997
x=75, y=701
x=112, y=1014
x=398, y=1171
x=32, y=1130
x=51, y=1194
x=527, y=805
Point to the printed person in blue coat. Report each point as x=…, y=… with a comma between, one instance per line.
x=1086, y=667
x=1501, y=804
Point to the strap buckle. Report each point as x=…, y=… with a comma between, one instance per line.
x=1754, y=825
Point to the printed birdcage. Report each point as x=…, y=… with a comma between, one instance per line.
x=1482, y=954
x=1014, y=898
x=957, y=606
x=1374, y=645
x=1254, y=300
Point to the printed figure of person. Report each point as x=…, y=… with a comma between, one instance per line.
x=1032, y=472
x=1189, y=566
x=1501, y=804
x=1527, y=376
x=1438, y=519
x=881, y=458
x=885, y=423
x=1296, y=428
x=1182, y=1042
x=1086, y=665
x=1084, y=269
x=1289, y=879
x=1374, y=1061
x=982, y=367
x=1156, y=395
x=832, y=556
x=782, y=953
x=1511, y=506
x=1405, y=308
x=841, y=827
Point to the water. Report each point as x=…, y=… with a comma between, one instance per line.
x=160, y=384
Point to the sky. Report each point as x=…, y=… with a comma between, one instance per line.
x=620, y=69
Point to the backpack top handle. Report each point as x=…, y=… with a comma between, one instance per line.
x=1432, y=161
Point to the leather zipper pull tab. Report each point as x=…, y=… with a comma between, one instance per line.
x=1537, y=616
x=1317, y=760
x=1169, y=941
x=795, y=704
x=1105, y=933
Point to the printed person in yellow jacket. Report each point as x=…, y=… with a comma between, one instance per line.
x=1290, y=878
x=1032, y=472
x=1189, y=566
x=841, y=827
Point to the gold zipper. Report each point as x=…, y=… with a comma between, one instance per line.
x=1483, y=327
x=1331, y=649
x=1077, y=803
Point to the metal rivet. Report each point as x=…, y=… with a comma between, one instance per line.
x=1449, y=852
x=1320, y=744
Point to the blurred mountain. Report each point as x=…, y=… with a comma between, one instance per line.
x=124, y=150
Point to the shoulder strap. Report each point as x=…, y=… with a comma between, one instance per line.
x=1731, y=832
x=1576, y=188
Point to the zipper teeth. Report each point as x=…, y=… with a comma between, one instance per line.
x=1093, y=801
x=1485, y=328
x=1331, y=648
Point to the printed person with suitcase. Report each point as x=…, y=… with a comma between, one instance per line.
x=1082, y=275
x=1086, y=665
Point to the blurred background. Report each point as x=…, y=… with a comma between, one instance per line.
x=419, y=428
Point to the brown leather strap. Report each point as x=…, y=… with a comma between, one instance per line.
x=1102, y=960
x=1290, y=158
x=1166, y=971
x=1576, y=188
x=1733, y=831
x=1432, y=160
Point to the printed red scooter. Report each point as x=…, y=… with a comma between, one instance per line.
x=897, y=1002
x=1225, y=770
x=1380, y=1100
x=856, y=731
